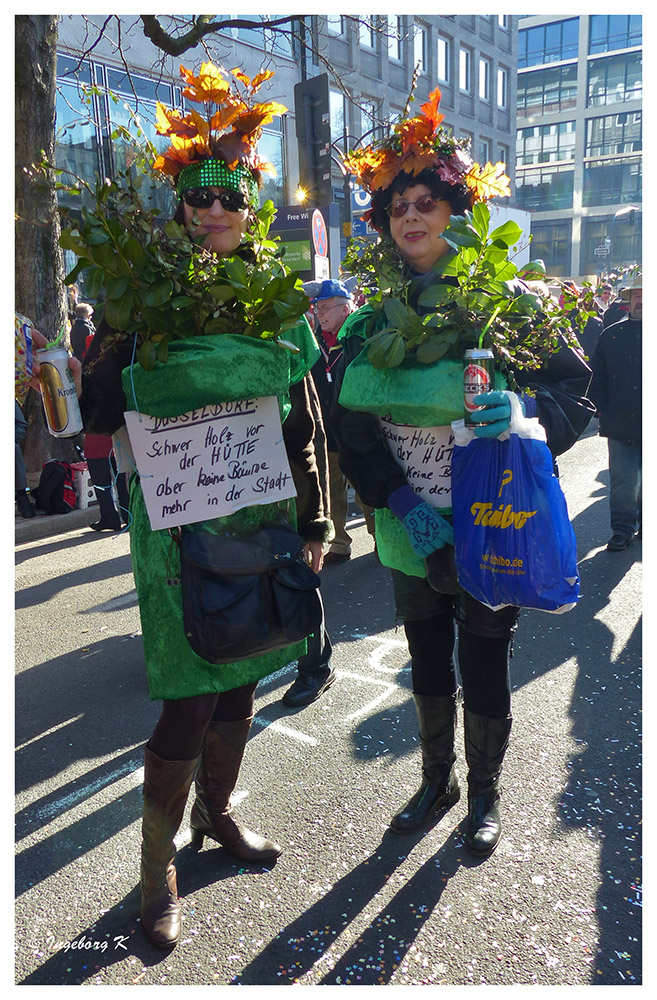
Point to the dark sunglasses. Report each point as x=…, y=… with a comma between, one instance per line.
x=230, y=201
x=424, y=205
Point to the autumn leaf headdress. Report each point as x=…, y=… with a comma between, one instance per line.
x=420, y=143
x=219, y=145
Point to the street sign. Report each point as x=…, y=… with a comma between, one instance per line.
x=322, y=269
x=602, y=250
x=320, y=235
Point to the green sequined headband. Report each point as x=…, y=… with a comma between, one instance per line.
x=216, y=173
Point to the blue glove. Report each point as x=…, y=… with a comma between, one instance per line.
x=427, y=530
x=497, y=412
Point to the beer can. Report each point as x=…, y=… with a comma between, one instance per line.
x=60, y=401
x=478, y=376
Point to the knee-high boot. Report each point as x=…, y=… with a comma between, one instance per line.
x=166, y=787
x=216, y=777
x=486, y=741
x=440, y=788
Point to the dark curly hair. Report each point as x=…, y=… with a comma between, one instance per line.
x=458, y=196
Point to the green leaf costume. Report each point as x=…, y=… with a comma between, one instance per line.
x=200, y=371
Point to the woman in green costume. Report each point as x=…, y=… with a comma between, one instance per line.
x=418, y=177
x=207, y=708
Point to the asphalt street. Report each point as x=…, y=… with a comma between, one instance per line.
x=348, y=902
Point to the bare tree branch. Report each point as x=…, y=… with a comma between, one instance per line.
x=204, y=25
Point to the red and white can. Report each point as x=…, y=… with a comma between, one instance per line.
x=478, y=376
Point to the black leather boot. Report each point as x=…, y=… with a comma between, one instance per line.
x=486, y=741
x=166, y=787
x=212, y=813
x=440, y=788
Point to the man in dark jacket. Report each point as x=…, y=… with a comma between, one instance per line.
x=333, y=304
x=82, y=330
x=616, y=392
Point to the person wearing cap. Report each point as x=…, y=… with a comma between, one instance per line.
x=616, y=392
x=419, y=176
x=603, y=298
x=333, y=304
x=207, y=708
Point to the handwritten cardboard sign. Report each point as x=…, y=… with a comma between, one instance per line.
x=210, y=462
x=425, y=455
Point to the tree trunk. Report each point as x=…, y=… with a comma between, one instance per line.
x=39, y=290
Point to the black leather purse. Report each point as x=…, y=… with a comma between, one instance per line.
x=245, y=595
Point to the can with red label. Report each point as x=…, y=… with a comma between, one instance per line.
x=60, y=401
x=478, y=376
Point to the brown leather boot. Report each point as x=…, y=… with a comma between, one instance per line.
x=216, y=777
x=166, y=787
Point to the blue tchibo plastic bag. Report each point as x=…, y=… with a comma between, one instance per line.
x=513, y=540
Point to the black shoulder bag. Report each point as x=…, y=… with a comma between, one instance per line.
x=244, y=595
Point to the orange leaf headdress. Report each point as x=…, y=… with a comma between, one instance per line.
x=207, y=147
x=420, y=143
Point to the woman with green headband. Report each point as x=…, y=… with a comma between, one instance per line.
x=207, y=708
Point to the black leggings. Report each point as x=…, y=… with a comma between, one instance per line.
x=180, y=731
x=483, y=665
x=484, y=643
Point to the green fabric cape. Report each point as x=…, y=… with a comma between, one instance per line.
x=201, y=371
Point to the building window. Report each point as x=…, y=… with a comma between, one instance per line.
x=484, y=80
x=77, y=141
x=546, y=90
x=501, y=88
x=420, y=48
x=614, y=80
x=503, y=154
x=624, y=234
x=609, y=182
x=270, y=149
x=614, y=31
x=443, y=59
x=546, y=43
x=614, y=134
x=121, y=114
x=366, y=33
x=503, y=20
x=546, y=143
x=464, y=70
x=265, y=38
x=396, y=37
x=369, y=117
x=483, y=154
x=545, y=190
x=337, y=112
x=551, y=242
x=335, y=24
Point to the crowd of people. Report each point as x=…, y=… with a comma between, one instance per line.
x=207, y=708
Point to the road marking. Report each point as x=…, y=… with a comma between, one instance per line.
x=368, y=680
x=66, y=802
x=48, y=732
x=294, y=733
x=386, y=646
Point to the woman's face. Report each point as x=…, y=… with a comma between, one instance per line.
x=224, y=229
x=417, y=234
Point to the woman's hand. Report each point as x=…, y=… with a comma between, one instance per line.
x=313, y=553
x=40, y=341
